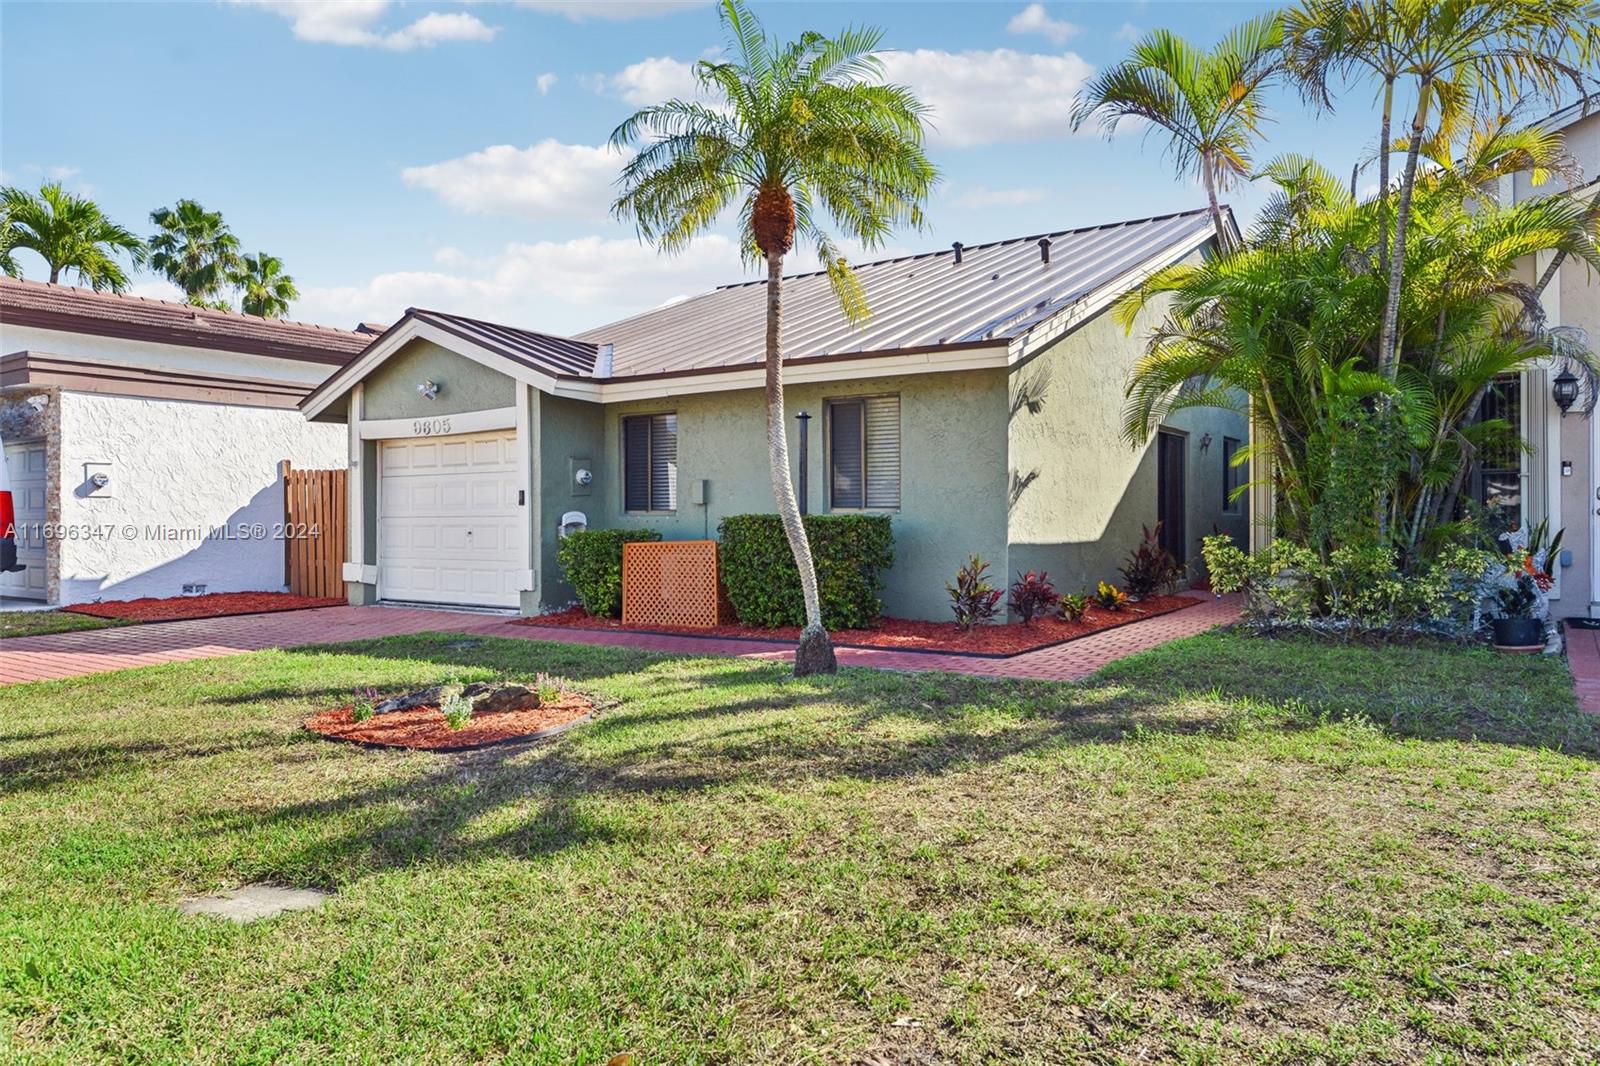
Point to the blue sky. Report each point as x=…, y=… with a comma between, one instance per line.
x=450, y=155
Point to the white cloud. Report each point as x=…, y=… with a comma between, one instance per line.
x=357, y=23
x=983, y=196
x=650, y=81
x=988, y=97
x=559, y=287
x=157, y=289
x=545, y=180
x=546, y=82
x=1034, y=19
x=612, y=10
x=1128, y=32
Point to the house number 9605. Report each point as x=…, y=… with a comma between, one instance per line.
x=429, y=427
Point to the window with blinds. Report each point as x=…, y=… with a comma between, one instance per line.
x=650, y=463
x=864, y=453
x=1232, y=476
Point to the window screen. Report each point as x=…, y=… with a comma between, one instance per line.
x=650, y=462
x=864, y=453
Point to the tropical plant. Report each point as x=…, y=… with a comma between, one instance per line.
x=364, y=705
x=1032, y=594
x=1458, y=58
x=1110, y=597
x=69, y=232
x=264, y=289
x=1210, y=103
x=457, y=710
x=1073, y=606
x=194, y=249
x=1150, y=567
x=972, y=598
x=804, y=129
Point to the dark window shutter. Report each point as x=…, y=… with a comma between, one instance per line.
x=844, y=453
x=636, y=463
x=664, y=463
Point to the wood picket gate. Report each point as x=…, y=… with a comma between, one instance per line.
x=314, y=507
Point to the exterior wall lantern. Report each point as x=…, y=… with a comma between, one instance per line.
x=1565, y=390
x=428, y=389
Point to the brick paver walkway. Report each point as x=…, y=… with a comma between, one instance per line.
x=95, y=651
x=1583, y=655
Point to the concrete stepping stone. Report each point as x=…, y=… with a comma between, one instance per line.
x=252, y=903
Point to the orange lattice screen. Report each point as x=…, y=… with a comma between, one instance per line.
x=673, y=583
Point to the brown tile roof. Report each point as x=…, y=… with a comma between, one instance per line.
x=66, y=308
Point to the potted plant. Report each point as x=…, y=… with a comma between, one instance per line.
x=1518, y=628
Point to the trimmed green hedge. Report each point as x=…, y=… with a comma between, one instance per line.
x=592, y=561
x=851, y=552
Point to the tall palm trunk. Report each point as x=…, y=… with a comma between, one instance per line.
x=815, y=653
x=1383, y=176
x=1224, y=238
x=1388, y=340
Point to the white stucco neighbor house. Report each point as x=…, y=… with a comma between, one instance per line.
x=144, y=441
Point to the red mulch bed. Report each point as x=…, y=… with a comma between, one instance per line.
x=212, y=605
x=907, y=634
x=424, y=728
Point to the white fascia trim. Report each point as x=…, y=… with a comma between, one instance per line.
x=416, y=329
x=440, y=425
x=1070, y=317
x=841, y=370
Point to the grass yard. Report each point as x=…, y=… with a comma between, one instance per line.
x=1227, y=850
x=37, y=623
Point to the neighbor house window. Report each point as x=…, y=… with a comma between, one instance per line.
x=1232, y=477
x=1497, y=473
x=650, y=462
x=864, y=453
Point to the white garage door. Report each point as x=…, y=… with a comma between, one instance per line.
x=448, y=520
x=26, y=465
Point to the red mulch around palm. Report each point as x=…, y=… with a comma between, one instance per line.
x=213, y=605
x=424, y=728
x=908, y=634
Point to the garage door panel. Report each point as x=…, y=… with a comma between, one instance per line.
x=449, y=521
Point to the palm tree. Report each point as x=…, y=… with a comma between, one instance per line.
x=264, y=288
x=805, y=128
x=69, y=232
x=1209, y=103
x=1456, y=56
x=195, y=249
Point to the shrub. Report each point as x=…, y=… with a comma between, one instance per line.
x=851, y=553
x=1073, y=606
x=364, y=705
x=1150, y=567
x=457, y=710
x=1286, y=584
x=550, y=687
x=972, y=598
x=592, y=562
x=1110, y=597
x=1032, y=594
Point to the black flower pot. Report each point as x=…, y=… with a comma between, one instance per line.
x=1518, y=632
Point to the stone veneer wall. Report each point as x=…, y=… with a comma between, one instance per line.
x=22, y=421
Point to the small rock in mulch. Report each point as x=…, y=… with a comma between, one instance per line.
x=482, y=695
x=252, y=903
x=423, y=727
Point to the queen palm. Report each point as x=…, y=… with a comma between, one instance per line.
x=264, y=289
x=803, y=129
x=195, y=249
x=70, y=233
x=1208, y=102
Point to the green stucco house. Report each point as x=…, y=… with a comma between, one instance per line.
x=980, y=406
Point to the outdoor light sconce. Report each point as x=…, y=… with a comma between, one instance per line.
x=584, y=476
x=428, y=389
x=1205, y=443
x=1565, y=390
x=100, y=479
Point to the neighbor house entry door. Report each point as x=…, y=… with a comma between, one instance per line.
x=1171, y=479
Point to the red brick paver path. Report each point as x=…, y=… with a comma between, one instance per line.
x=1583, y=655
x=58, y=655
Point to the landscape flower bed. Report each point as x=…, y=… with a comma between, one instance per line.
x=425, y=727
x=906, y=634
x=214, y=605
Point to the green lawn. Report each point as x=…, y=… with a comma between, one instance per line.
x=35, y=623
x=1228, y=850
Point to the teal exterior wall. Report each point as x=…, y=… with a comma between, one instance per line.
x=390, y=391
x=953, y=460
x=568, y=434
x=1078, y=492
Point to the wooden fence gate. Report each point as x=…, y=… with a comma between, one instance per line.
x=314, y=505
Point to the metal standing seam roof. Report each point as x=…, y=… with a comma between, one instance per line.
x=65, y=307
x=545, y=352
x=998, y=291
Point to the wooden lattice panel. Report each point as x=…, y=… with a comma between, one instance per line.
x=673, y=583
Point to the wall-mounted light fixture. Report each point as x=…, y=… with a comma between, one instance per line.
x=1205, y=443
x=584, y=476
x=1565, y=390
x=428, y=389
x=100, y=479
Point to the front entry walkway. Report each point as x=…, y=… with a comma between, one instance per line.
x=59, y=655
